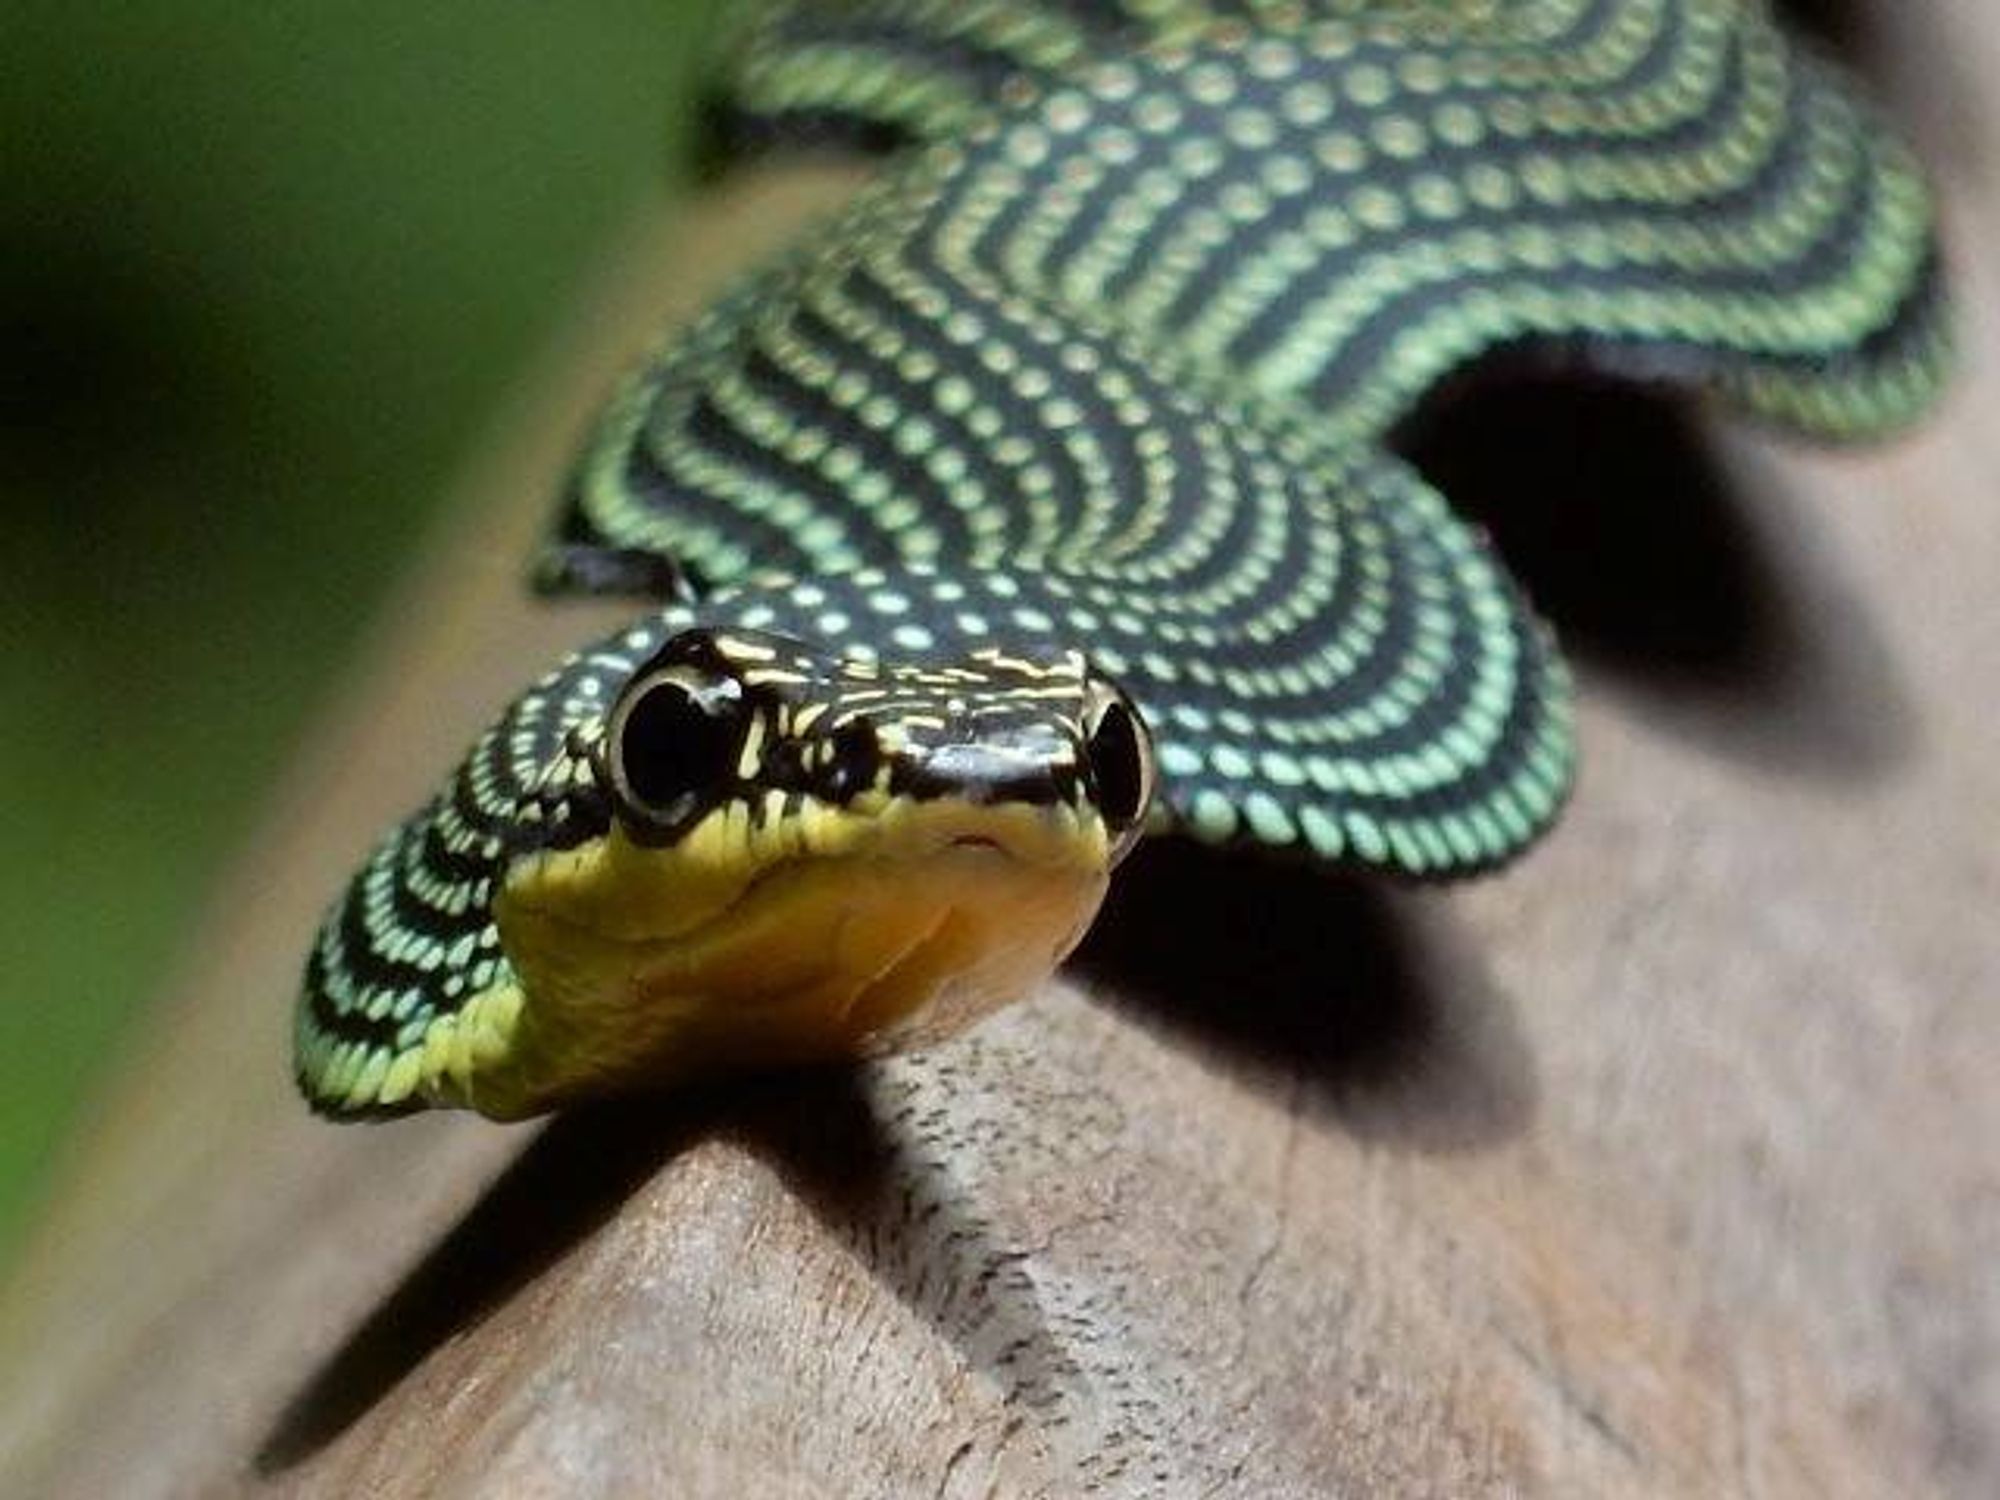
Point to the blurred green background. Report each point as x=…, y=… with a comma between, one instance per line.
x=263, y=271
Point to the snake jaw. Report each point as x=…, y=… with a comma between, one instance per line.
x=868, y=932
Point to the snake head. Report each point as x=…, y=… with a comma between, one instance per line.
x=771, y=725
x=812, y=855
x=727, y=849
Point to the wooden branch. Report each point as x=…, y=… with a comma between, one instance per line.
x=1663, y=1164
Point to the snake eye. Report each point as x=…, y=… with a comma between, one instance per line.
x=673, y=742
x=1121, y=763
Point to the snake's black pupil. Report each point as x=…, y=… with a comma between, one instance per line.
x=1117, y=765
x=675, y=744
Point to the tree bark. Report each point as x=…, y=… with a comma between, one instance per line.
x=1663, y=1164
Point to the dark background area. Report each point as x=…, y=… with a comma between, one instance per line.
x=264, y=273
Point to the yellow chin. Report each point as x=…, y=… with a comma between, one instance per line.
x=836, y=934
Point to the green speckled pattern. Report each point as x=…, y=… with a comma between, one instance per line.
x=1106, y=359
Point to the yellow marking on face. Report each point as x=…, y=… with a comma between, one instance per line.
x=830, y=934
x=751, y=756
x=1002, y=660
x=739, y=649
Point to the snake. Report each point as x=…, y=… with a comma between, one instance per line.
x=1045, y=497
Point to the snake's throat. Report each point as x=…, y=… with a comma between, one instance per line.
x=849, y=958
x=903, y=942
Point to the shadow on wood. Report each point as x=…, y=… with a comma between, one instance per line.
x=865, y=1174
x=570, y=1179
x=1336, y=1015
x=1637, y=542
x=1320, y=990
x=1844, y=26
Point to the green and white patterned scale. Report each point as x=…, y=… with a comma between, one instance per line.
x=1106, y=359
x=1132, y=328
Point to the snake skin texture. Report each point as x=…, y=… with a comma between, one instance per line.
x=1106, y=358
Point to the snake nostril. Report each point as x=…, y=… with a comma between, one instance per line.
x=991, y=773
x=852, y=761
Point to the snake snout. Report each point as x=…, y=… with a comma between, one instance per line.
x=989, y=774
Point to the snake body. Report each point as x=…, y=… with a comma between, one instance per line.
x=1104, y=362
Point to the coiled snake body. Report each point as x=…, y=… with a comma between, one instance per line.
x=1055, y=465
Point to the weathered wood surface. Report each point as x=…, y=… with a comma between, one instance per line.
x=1665, y=1164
